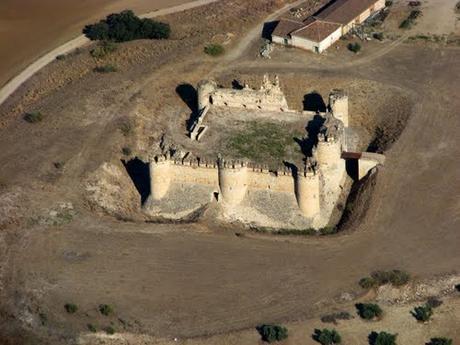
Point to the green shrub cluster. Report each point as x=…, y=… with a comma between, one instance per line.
x=382, y=338
x=422, y=313
x=332, y=318
x=272, y=333
x=214, y=49
x=105, y=309
x=126, y=26
x=378, y=278
x=369, y=311
x=410, y=20
x=109, y=330
x=33, y=117
x=105, y=68
x=440, y=341
x=103, y=49
x=70, y=308
x=354, y=47
x=327, y=336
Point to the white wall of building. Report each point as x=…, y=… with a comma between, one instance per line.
x=304, y=43
x=330, y=40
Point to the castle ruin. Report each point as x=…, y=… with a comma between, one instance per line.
x=301, y=194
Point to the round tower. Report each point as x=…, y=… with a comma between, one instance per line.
x=338, y=102
x=160, y=177
x=232, y=181
x=328, y=152
x=204, y=90
x=307, y=194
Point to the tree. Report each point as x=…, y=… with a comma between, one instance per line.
x=440, y=341
x=327, y=336
x=272, y=333
x=369, y=311
x=422, y=313
x=382, y=338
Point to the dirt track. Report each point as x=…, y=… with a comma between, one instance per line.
x=186, y=280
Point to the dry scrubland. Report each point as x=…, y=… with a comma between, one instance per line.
x=58, y=245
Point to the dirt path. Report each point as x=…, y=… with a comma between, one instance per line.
x=80, y=41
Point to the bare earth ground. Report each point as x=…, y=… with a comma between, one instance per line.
x=197, y=279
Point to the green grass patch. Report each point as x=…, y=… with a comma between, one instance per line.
x=214, y=49
x=103, y=49
x=264, y=142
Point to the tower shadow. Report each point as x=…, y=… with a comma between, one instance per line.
x=139, y=172
x=313, y=101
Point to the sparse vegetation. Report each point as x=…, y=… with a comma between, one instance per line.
x=109, y=330
x=410, y=20
x=369, y=311
x=33, y=117
x=60, y=57
x=272, y=333
x=126, y=151
x=327, y=336
x=382, y=338
x=332, y=318
x=105, y=309
x=58, y=165
x=422, y=313
x=378, y=278
x=214, y=49
x=354, y=47
x=440, y=341
x=296, y=232
x=71, y=308
x=126, y=127
x=103, y=49
x=126, y=26
x=388, y=3
x=378, y=36
x=91, y=328
x=108, y=68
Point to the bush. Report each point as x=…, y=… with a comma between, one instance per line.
x=126, y=151
x=214, y=49
x=71, y=308
x=33, y=117
x=382, y=338
x=103, y=49
x=440, y=341
x=378, y=278
x=332, y=318
x=91, y=328
x=60, y=57
x=126, y=26
x=109, y=330
x=105, y=69
x=369, y=311
x=378, y=35
x=388, y=3
x=433, y=302
x=422, y=313
x=354, y=47
x=272, y=333
x=327, y=336
x=105, y=309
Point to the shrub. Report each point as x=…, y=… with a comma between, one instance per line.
x=214, y=49
x=422, y=313
x=126, y=151
x=354, y=47
x=327, y=336
x=433, y=302
x=105, y=309
x=332, y=318
x=105, y=69
x=382, y=338
x=378, y=35
x=109, y=330
x=33, y=117
x=388, y=3
x=378, y=278
x=91, y=328
x=369, y=311
x=440, y=341
x=126, y=26
x=272, y=333
x=405, y=24
x=103, y=49
x=71, y=308
x=60, y=57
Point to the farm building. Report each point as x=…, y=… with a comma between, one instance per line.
x=321, y=30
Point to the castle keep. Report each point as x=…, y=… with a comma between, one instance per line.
x=300, y=194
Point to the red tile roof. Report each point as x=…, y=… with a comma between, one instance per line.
x=344, y=11
x=286, y=26
x=317, y=30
